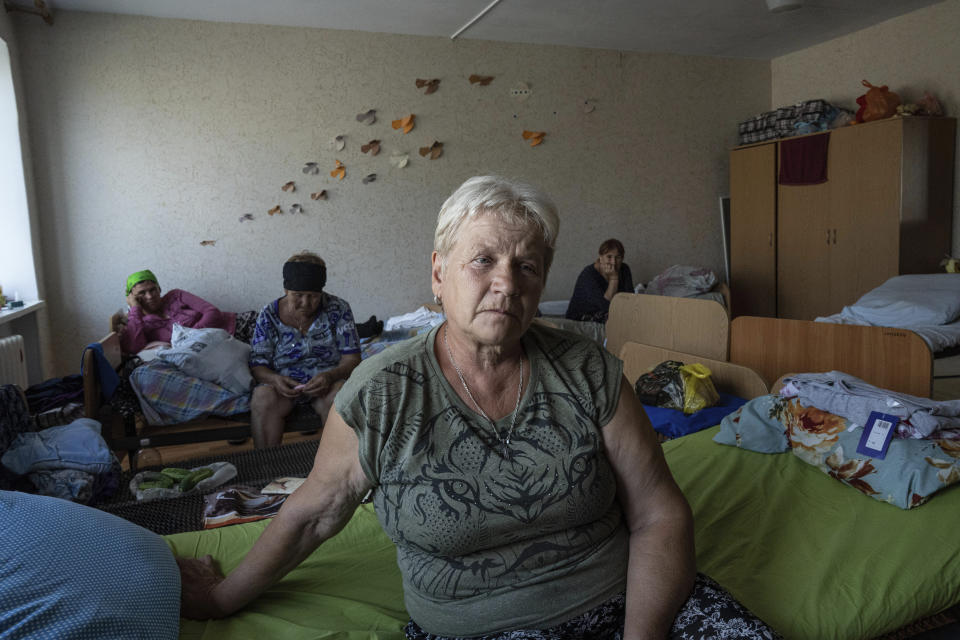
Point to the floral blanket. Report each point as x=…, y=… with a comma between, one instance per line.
x=912, y=471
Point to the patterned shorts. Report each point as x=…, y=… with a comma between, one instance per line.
x=709, y=613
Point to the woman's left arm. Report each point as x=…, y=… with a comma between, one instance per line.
x=210, y=316
x=346, y=366
x=661, y=567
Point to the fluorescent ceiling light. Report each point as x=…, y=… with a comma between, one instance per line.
x=776, y=6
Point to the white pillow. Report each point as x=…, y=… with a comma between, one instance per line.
x=911, y=300
x=212, y=355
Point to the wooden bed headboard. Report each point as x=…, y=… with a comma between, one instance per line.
x=894, y=359
x=731, y=378
x=688, y=325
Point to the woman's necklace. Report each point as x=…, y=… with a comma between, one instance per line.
x=504, y=442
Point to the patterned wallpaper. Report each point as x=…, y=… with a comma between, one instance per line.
x=150, y=136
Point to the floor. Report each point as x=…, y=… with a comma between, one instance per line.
x=946, y=388
x=166, y=456
x=949, y=632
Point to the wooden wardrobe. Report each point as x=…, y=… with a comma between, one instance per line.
x=886, y=209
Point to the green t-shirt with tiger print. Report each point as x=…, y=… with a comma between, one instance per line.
x=487, y=539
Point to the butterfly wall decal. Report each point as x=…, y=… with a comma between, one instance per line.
x=434, y=151
x=406, y=123
x=311, y=168
x=373, y=147
x=367, y=179
x=399, y=160
x=275, y=210
x=246, y=216
x=319, y=195
x=368, y=117
x=480, y=80
x=535, y=137
x=430, y=86
x=296, y=208
x=207, y=243
x=339, y=142
x=339, y=171
x=289, y=187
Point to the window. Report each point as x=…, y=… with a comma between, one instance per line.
x=17, y=275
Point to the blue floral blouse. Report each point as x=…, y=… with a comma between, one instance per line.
x=282, y=348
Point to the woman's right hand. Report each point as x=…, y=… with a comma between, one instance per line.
x=132, y=301
x=198, y=578
x=609, y=271
x=285, y=386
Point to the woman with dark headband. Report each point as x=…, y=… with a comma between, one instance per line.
x=304, y=346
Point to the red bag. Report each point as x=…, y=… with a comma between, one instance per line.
x=877, y=103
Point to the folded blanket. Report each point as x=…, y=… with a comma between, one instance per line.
x=912, y=471
x=844, y=395
x=169, y=396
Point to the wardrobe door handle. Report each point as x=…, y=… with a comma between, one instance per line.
x=828, y=237
x=834, y=236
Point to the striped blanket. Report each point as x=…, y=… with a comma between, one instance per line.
x=168, y=396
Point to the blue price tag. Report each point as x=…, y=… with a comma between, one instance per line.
x=877, y=435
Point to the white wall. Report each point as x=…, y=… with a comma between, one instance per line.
x=911, y=54
x=151, y=135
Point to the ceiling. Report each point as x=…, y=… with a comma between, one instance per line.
x=727, y=28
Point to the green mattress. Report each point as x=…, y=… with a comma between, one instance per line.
x=810, y=556
x=349, y=588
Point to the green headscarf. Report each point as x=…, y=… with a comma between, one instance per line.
x=137, y=277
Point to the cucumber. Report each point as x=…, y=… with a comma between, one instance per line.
x=191, y=480
x=176, y=473
x=161, y=482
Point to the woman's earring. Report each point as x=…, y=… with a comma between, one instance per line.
x=437, y=300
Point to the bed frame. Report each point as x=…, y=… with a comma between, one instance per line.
x=134, y=434
x=688, y=325
x=894, y=359
x=727, y=377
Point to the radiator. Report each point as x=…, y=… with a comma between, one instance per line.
x=13, y=363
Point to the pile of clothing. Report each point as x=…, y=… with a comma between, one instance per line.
x=71, y=461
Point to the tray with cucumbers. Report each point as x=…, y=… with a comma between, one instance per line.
x=172, y=481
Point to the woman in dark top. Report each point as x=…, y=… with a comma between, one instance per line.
x=599, y=282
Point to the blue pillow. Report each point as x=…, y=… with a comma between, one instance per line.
x=673, y=423
x=72, y=572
